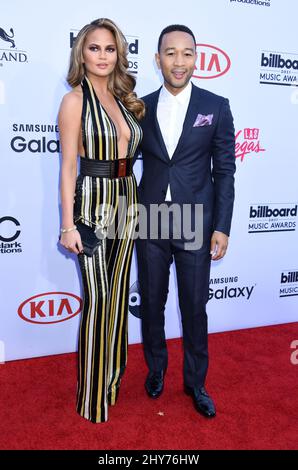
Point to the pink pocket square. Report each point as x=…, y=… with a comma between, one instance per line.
x=203, y=120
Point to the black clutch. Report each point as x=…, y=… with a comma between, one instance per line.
x=89, y=239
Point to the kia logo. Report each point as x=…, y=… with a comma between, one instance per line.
x=212, y=62
x=50, y=307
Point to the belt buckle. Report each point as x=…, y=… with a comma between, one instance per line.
x=122, y=167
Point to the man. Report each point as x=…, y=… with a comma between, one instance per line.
x=188, y=153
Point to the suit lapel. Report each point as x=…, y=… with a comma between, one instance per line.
x=190, y=117
x=191, y=114
x=156, y=127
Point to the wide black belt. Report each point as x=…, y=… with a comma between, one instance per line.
x=106, y=168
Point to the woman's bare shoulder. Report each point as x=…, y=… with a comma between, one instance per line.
x=73, y=99
x=71, y=104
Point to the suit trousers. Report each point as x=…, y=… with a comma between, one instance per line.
x=193, y=271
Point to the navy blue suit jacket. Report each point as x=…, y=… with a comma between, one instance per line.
x=202, y=167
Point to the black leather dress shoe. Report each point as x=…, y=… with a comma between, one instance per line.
x=154, y=384
x=202, y=402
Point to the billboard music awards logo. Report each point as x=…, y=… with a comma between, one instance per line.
x=35, y=138
x=270, y=217
x=9, y=235
x=50, y=307
x=247, y=142
x=288, y=283
x=212, y=62
x=133, y=54
x=278, y=68
x=133, y=50
x=224, y=288
x=10, y=53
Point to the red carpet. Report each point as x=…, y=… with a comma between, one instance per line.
x=251, y=379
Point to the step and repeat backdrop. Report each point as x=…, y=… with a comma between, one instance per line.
x=247, y=52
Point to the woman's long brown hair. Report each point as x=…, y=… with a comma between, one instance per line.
x=121, y=83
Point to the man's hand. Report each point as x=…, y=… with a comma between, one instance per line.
x=219, y=245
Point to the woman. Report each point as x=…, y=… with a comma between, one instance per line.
x=98, y=120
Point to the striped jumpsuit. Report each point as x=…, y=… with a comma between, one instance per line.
x=102, y=347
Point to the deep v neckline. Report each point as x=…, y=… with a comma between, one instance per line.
x=113, y=125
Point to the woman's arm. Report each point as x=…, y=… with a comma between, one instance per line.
x=69, y=121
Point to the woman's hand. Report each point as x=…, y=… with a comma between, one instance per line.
x=72, y=242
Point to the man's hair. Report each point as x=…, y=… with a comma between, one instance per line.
x=171, y=29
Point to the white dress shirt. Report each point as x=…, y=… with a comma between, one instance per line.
x=171, y=112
